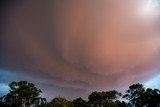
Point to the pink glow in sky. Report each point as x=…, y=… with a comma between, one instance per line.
x=79, y=46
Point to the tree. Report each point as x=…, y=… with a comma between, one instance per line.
x=96, y=99
x=22, y=94
x=118, y=103
x=41, y=102
x=103, y=99
x=79, y=102
x=3, y=104
x=135, y=94
x=140, y=97
x=60, y=102
x=152, y=97
x=111, y=96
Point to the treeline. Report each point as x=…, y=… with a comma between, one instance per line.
x=24, y=94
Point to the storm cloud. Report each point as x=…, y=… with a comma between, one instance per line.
x=77, y=46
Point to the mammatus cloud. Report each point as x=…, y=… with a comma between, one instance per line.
x=80, y=46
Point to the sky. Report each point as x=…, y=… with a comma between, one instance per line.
x=70, y=48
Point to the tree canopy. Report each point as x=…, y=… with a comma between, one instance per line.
x=25, y=94
x=80, y=102
x=138, y=96
x=102, y=99
x=60, y=102
x=22, y=94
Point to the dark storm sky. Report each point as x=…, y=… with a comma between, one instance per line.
x=72, y=47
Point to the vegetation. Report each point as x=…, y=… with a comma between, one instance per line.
x=140, y=97
x=24, y=94
x=60, y=102
x=103, y=99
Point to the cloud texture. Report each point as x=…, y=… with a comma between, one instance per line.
x=73, y=47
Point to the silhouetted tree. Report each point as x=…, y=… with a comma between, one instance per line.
x=138, y=96
x=135, y=94
x=3, y=104
x=41, y=102
x=96, y=99
x=79, y=102
x=60, y=102
x=118, y=103
x=22, y=94
x=152, y=97
x=104, y=99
